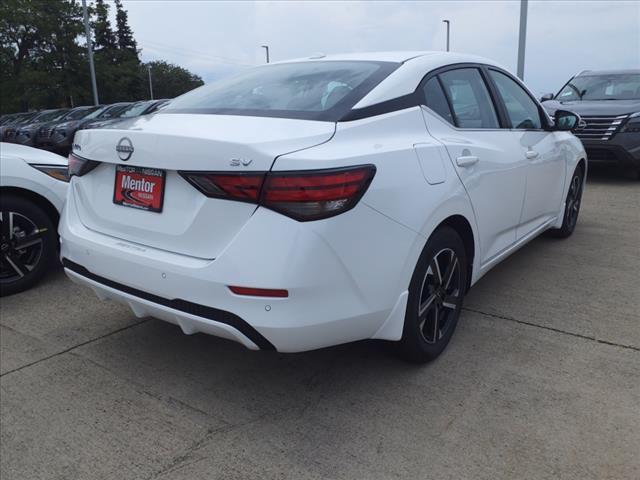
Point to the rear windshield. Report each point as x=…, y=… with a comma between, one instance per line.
x=50, y=116
x=113, y=111
x=134, y=110
x=96, y=113
x=602, y=87
x=324, y=90
x=79, y=114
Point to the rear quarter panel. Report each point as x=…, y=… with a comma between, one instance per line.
x=399, y=192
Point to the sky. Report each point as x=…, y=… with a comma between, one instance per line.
x=217, y=38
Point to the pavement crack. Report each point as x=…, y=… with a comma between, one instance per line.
x=552, y=329
x=168, y=399
x=186, y=458
x=70, y=349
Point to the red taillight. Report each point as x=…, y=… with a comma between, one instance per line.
x=260, y=292
x=232, y=186
x=316, y=194
x=80, y=166
x=302, y=195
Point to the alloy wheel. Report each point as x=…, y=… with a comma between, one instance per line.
x=573, y=200
x=21, y=246
x=440, y=295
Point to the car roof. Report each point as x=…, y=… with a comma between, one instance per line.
x=436, y=56
x=391, y=56
x=406, y=78
x=629, y=71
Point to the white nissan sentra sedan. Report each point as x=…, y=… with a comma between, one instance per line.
x=321, y=201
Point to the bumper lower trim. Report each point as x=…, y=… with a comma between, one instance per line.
x=204, y=311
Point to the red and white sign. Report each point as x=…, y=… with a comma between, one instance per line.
x=141, y=188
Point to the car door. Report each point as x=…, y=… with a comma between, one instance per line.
x=486, y=157
x=546, y=167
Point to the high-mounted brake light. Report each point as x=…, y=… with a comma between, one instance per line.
x=302, y=195
x=80, y=166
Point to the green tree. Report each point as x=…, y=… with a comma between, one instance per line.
x=43, y=61
x=169, y=80
x=103, y=36
x=116, y=58
x=123, y=32
x=40, y=59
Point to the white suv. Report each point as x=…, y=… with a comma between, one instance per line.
x=321, y=201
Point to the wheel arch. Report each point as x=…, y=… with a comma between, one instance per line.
x=463, y=227
x=48, y=208
x=582, y=162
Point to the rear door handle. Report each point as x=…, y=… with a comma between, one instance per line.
x=531, y=154
x=467, y=160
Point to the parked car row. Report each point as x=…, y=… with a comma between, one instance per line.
x=54, y=129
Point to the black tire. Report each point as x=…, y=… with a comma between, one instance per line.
x=422, y=338
x=572, y=205
x=34, y=231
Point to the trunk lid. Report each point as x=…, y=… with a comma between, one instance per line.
x=190, y=223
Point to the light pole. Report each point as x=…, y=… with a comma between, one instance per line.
x=266, y=49
x=522, y=40
x=87, y=31
x=448, y=27
x=150, y=82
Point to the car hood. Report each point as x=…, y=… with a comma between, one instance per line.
x=13, y=151
x=594, y=107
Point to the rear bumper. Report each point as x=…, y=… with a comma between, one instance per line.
x=335, y=295
x=189, y=316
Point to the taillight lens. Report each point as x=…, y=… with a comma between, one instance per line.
x=302, y=195
x=243, y=187
x=80, y=166
x=316, y=194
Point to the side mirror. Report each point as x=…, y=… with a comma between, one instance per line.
x=546, y=97
x=567, y=121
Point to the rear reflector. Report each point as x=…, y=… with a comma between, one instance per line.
x=302, y=195
x=260, y=292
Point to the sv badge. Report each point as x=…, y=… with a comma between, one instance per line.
x=237, y=162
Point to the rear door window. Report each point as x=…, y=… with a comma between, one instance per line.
x=469, y=98
x=436, y=100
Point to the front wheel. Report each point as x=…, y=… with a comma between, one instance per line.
x=436, y=293
x=27, y=244
x=572, y=205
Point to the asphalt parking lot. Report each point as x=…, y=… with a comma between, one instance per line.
x=541, y=380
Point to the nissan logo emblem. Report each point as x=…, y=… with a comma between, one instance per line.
x=124, y=149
